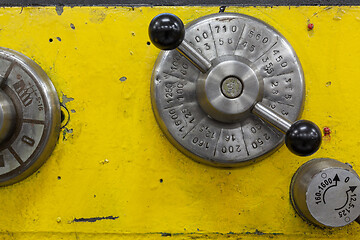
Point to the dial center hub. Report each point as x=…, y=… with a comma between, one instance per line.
x=229, y=90
x=231, y=87
x=7, y=117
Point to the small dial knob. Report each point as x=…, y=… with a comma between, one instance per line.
x=325, y=192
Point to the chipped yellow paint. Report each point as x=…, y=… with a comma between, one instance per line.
x=113, y=165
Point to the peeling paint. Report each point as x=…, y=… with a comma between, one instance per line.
x=97, y=16
x=123, y=79
x=257, y=232
x=59, y=10
x=94, y=219
x=339, y=14
x=66, y=99
x=72, y=26
x=104, y=161
x=67, y=131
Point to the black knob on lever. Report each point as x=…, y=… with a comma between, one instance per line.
x=166, y=31
x=303, y=138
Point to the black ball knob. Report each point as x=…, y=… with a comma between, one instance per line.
x=303, y=138
x=166, y=31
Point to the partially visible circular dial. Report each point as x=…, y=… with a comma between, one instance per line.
x=209, y=93
x=326, y=193
x=29, y=114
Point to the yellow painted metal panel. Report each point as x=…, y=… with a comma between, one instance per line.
x=113, y=170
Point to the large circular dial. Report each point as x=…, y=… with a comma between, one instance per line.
x=211, y=94
x=30, y=111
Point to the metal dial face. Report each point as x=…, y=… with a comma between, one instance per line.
x=272, y=75
x=37, y=118
x=333, y=197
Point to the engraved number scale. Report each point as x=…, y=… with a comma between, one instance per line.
x=230, y=90
x=29, y=116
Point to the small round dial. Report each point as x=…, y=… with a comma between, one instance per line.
x=326, y=192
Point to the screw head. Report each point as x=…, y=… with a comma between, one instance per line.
x=231, y=87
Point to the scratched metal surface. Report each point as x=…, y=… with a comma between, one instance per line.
x=114, y=175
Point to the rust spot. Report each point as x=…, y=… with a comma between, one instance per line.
x=327, y=131
x=310, y=26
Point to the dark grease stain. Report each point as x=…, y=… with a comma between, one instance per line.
x=161, y=180
x=222, y=9
x=50, y=39
x=257, y=232
x=58, y=38
x=94, y=219
x=62, y=114
x=65, y=115
x=59, y=177
x=72, y=26
x=148, y=43
x=228, y=19
x=166, y=234
x=59, y=10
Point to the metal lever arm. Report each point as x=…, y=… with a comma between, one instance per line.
x=302, y=137
x=167, y=32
